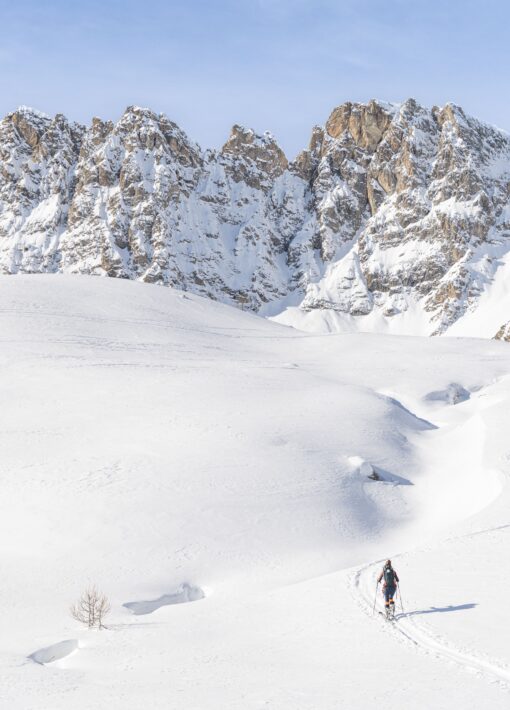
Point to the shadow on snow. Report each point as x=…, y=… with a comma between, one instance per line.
x=437, y=610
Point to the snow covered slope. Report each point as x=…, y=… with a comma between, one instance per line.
x=203, y=467
x=396, y=218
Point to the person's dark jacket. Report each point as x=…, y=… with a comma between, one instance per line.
x=381, y=576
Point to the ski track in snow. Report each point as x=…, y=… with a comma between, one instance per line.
x=363, y=583
x=404, y=626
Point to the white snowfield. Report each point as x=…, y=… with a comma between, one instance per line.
x=207, y=470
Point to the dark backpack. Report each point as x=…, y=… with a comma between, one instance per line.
x=389, y=576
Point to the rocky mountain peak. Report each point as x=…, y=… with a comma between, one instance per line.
x=391, y=210
x=366, y=123
x=306, y=162
x=255, y=158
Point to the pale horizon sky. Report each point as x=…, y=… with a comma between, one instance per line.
x=271, y=65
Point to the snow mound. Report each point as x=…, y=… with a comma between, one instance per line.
x=420, y=423
x=185, y=593
x=376, y=473
x=366, y=469
x=453, y=394
x=55, y=652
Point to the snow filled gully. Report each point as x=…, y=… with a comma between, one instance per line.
x=459, y=483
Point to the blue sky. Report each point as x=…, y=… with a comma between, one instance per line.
x=270, y=64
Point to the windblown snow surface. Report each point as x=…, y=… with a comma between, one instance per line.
x=207, y=470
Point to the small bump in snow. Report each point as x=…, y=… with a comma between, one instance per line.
x=54, y=652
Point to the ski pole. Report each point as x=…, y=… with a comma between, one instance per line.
x=375, y=599
x=400, y=597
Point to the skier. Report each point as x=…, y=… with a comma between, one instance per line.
x=389, y=587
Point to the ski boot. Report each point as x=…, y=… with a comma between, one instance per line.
x=389, y=612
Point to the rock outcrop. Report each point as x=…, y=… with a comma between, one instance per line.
x=504, y=332
x=390, y=208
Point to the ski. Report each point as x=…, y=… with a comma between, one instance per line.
x=390, y=617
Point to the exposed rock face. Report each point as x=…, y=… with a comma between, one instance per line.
x=255, y=160
x=365, y=124
x=390, y=208
x=504, y=332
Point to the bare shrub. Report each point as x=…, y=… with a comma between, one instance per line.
x=91, y=608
